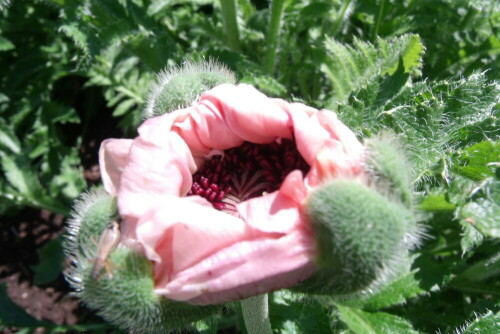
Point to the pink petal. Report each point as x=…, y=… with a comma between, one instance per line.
x=342, y=133
x=309, y=134
x=183, y=231
x=202, y=255
x=278, y=212
x=113, y=156
x=247, y=113
x=160, y=163
x=244, y=269
x=211, y=128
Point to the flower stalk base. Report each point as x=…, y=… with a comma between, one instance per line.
x=256, y=314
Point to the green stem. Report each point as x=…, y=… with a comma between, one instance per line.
x=256, y=315
x=277, y=9
x=340, y=17
x=379, y=19
x=230, y=23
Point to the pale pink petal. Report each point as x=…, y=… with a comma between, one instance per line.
x=155, y=168
x=183, y=231
x=244, y=269
x=187, y=130
x=293, y=187
x=278, y=212
x=309, y=134
x=211, y=127
x=206, y=256
x=248, y=113
x=338, y=130
x=113, y=155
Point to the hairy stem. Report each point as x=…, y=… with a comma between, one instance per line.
x=277, y=9
x=256, y=315
x=230, y=23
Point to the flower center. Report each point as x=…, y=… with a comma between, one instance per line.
x=246, y=171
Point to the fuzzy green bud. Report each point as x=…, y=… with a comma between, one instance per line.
x=123, y=291
x=387, y=168
x=179, y=87
x=358, y=233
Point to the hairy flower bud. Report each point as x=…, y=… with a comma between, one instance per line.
x=123, y=291
x=358, y=232
x=178, y=87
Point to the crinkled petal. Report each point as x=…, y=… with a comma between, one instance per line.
x=160, y=163
x=211, y=128
x=183, y=231
x=278, y=212
x=113, y=155
x=338, y=130
x=309, y=134
x=245, y=269
x=206, y=256
x=247, y=113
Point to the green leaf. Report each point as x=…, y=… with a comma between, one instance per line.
x=19, y=175
x=51, y=262
x=485, y=324
x=361, y=322
x=290, y=313
x=481, y=271
x=483, y=215
x=471, y=237
x=13, y=315
x=479, y=161
x=433, y=119
x=397, y=291
x=8, y=139
x=124, y=107
x=5, y=44
x=350, y=68
x=436, y=202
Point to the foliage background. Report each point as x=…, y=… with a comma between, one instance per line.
x=75, y=72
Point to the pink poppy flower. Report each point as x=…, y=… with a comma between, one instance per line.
x=213, y=194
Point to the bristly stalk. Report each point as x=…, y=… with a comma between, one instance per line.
x=277, y=9
x=230, y=23
x=256, y=314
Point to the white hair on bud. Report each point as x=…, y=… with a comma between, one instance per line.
x=187, y=68
x=72, y=248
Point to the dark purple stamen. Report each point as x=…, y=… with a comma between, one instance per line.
x=246, y=171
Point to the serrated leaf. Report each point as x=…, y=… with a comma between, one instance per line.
x=395, y=292
x=361, y=322
x=471, y=237
x=51, y=262
x=351, y=68
x=69, y=181
x=483, y=214
x=431, y=118
x=485, y=324
x=19, y=175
